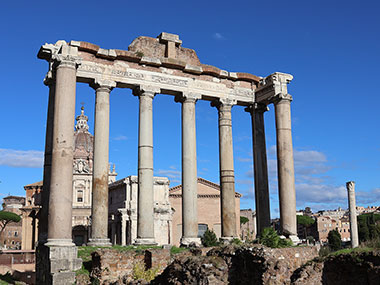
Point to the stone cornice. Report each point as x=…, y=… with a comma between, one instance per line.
x=273, y=87
x=141, y=58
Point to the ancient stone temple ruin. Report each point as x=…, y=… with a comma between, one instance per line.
x=153, y=66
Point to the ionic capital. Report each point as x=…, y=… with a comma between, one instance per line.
x=188, y=97
x=103, y=85
x=146, y=90
x=257, y=107
x=278, y=98
x=223, y=104
x=67, y=60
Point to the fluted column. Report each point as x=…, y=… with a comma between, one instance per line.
x=99, y=208
x=226, y=169
x=44, y=211
x=189, y=170
x=285, y=165
x=353, y=219
x=61, y=184
x=260, y=166
x=145, y=216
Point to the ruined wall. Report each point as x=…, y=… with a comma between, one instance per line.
x=112, y=265
x=355, y=268
x=238, y=265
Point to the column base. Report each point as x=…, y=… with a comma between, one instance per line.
x=56, y=262
x=144, y=241
x=59, y=242
x=295, y=240
x=226, y=240
x=190, y=241
x=99, y=242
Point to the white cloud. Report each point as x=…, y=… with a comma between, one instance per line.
x=218, y=36
x=171, y=173
x=371, y=198
x=21, y=158
x=320, y=194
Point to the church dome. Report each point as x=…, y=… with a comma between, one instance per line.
x=82, y=138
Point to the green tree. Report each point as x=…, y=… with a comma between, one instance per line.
x=209, y=239
x=368, y=227
x=335, y=240
x=7, y=217
x=243, y=220
x=305, y=220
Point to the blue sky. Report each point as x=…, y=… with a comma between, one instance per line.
x=332, y=48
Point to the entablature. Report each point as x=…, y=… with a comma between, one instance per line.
x=161, y=63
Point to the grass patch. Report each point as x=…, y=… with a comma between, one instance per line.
x=351, y=250
x=176, y=250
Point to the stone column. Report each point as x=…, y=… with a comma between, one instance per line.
x=189, y=171
x=353, y=218
x=57, y=259
x=99, y=208
x=226, y=169
x=260, y=166
x=44, y=211
x=285, y=166
x=145, y=208
x=61, y=185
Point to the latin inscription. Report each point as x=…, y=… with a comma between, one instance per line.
x=120, y=74
x=129, y=74
x=170, y=81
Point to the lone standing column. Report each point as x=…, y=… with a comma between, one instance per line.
x=285, y=166
x=226, y=168
x=61, y=185
x=145, y=218
x=189, y=170
x=99, y=209
x=260, y=166
x=353, y=219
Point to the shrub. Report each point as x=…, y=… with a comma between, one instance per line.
x=270, y=238
x=209, y=239
x=334, y=240
x=236, y=241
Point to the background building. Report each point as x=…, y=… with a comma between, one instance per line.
x=248, y=230
x=11, y=236
x=122, y=210
x=208, y=209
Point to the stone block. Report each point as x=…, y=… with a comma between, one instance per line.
x=56, y=264
x=193, y=69
x=167, y=37
x=150, y=61
x=63, y=278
